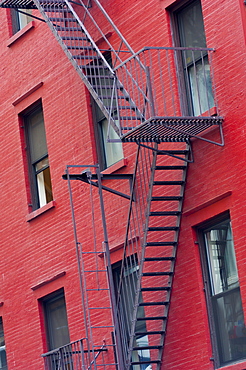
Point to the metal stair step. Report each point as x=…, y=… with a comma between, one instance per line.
x=153, y=318
x=163, y=152
x=165, y=213
x=56, y=19
x=160, y=244
x=163, y=228
x=141, y=348
x=157, y=273
x=170, y=168
x=145, y=362
x=167, y=198
x=74, y=38
x=64, y=28
x=152, y=332
x=155, y=289
x=156, y=259
x=127, y=118
x=82, y=48
x=168, y=182
x=88, y=57
x=160, y=303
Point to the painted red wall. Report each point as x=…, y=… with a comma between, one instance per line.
x=38, y=249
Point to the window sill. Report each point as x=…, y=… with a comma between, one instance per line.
x=116, y=166
x=210, y=113
x=20, y=33
x=40, y=211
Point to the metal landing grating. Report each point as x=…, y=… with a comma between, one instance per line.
x=170, y=129
x=28, y=4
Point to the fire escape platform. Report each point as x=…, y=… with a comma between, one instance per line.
x=170, y=129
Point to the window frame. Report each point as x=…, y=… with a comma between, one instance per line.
x=190, y=91
x=211, y=298
x=19, y=20
x=103, y=148
x=45, y=301
x=37, y=200
x=2, y=347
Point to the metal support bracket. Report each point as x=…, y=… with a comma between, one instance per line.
x=89, y=180
x=166, y=152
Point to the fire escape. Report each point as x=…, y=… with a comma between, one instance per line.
x=142, y=96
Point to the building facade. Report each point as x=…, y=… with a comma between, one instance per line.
x=123, y=166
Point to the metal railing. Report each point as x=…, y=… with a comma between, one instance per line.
x=175, y=82
x=72, y=356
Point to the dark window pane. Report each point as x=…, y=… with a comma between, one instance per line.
x=191, y=27
x=57, y=325
x=225, y=297
x=39, y=171
x=37, y=137
x=3, y=360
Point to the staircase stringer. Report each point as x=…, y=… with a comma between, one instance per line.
x=141, y=259
x=84, y=78
x=177, y=233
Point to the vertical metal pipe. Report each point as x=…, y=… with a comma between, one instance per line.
x=110, y=277
x=150, y=91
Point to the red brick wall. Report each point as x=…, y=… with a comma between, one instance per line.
x=35, y=251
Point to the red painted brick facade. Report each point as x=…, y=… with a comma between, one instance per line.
x=37, y=247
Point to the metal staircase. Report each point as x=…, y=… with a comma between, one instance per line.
x=139, y=94
x=154, y=224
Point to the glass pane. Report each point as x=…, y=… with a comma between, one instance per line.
x=44, y=183
x=201, y=86
x=3, y=360
x=56, y=314
x=231, y=329
x=36, y=135
x=113, y=151
x=128, y=288
x=191, y=27
x=221, y=257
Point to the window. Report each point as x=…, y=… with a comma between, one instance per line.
x=56, y=320
x=223, y=293
x=127, y=286
x=39, y=171
x=19, y=19
x=108, y=152
x=196, y=69
x=3, y=361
